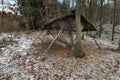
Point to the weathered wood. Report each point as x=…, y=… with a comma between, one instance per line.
x=65, y=25
x=55, y=37
x=87, y=26
x=38, y=37
x=97, y=43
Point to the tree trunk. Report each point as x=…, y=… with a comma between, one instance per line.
x=119, y=45
x=114, y=20
x=46, y=11
x=101, y=17
x=2, y=13
x=77, y=51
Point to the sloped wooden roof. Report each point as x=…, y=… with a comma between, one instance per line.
x=87, y=26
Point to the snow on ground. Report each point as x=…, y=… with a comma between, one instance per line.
x=107, y=32
x=104, y=44
x=18, y=64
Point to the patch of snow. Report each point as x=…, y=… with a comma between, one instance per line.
x=24, y=45
x=104, y=44
x=15, y=64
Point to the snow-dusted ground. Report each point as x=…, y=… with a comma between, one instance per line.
x=107, y=32
x=18, y=63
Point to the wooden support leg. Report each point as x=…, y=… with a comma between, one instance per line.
x=51, y=33
x=97, y=43
x=38, y=37
x=62, y=27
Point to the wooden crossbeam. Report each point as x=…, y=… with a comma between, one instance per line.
x=62, y=25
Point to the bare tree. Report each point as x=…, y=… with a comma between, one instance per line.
x=2, y=12
x=119, y=45
x=114, y=20
x=101, y=17
x=78, y=46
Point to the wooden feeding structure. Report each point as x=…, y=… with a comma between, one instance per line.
x=68, y=22
x=64, y=26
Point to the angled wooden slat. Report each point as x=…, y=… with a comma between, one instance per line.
x=87, y=26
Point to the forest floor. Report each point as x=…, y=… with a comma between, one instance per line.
x=22, y=60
